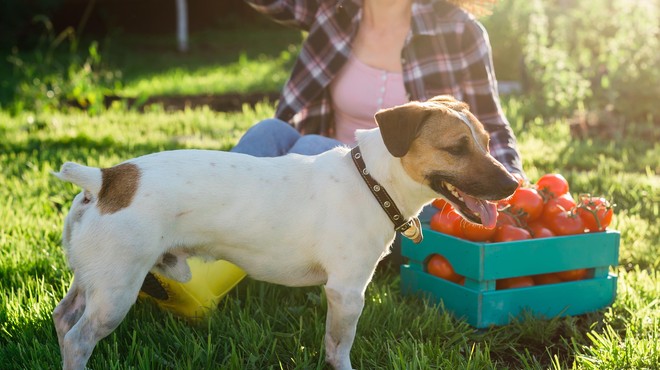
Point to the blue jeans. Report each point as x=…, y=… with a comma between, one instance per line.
x=273, y=138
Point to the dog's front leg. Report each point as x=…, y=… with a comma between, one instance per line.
x=344, y=309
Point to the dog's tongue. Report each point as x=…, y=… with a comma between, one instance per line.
x=486, y=210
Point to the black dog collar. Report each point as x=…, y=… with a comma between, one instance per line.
x=411, y=229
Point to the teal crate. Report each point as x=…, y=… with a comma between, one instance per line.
x=483, y=263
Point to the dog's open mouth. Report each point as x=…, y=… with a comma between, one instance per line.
x=475, y=210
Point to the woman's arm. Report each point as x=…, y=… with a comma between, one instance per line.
x=293, y=13
x=479, y=87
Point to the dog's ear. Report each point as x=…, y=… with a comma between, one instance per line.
x=400, y=125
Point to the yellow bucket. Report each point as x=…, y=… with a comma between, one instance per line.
x=196, y=298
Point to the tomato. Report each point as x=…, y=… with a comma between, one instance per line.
x=543, y=279
x=565, y=223
x=505, y=217
x=507, y=233
x=514, y=282
x=552, y=206
x=527, y=200
x=596, y=212
x=552, y=184
x=439, y=266
x=572, y=275
x=448, y=222
x=441, y=204
x=476, y=232
x=538, y=230
x=564, y=201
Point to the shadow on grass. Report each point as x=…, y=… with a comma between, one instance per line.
x=229, y=102
x=225, y=59
x=142, y=58
x=551, y=341
x=82, y=147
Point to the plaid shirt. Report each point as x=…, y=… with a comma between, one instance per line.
x=447, y=51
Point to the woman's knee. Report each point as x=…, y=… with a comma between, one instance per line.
x=268, y=138
x=273, y=128
x=314, y=144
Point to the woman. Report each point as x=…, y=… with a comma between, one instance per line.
x=419, y=48
x=364, y=55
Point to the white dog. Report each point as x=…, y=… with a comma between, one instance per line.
x=292, y=220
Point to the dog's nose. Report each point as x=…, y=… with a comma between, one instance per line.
x=506, y=183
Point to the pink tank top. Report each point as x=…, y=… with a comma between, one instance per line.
x=358, y=92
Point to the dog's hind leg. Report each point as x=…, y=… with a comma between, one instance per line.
x=344, y=309
x=106, y=302
x=68, y=312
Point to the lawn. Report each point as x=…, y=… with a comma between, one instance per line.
x=227, y=59
x=260, y=325
x=263, y=326
x=219, y=62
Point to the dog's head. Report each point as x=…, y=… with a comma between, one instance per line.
x=442, y=145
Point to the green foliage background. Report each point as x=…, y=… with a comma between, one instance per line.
x=581, y=55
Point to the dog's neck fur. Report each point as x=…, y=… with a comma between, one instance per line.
x=409, y=195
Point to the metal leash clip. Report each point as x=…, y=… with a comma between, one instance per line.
x=412, y=230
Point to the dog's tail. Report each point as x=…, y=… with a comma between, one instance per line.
x=88, y=178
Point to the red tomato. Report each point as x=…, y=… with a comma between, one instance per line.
x=552, y=184
x=528, y=201
x=507, y=233
x=505, y=217
x=447, y=222
x=538, y=230
x=596, y=212
x=514, y=282
x=475, y=232
x=543, y=279
x=565, y=223
x=439, y=266
x=572, y=275
x=566, y=201
x=562, y=203
x=441, y=204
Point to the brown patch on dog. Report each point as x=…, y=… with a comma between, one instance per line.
x=120, y=183
x=442, y=133
x=401, y=125
x=446, y=148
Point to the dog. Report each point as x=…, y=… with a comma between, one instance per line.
x=292, y=220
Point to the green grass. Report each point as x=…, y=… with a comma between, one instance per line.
x=229, y=58
x=220, y=60
x=244, y=75
x=261, y=326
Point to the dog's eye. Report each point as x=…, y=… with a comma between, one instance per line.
x=460, y=148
